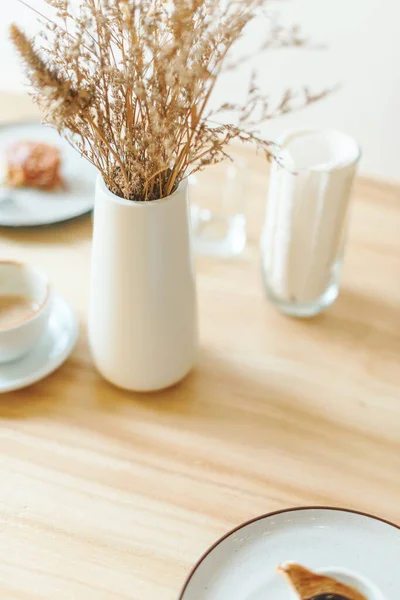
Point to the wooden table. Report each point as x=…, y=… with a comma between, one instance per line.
x=107, y=495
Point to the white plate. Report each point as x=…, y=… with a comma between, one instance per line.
x=242, y=565
x=29, y=207
x=51, y=351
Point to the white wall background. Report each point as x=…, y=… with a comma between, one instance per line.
x=363, y=39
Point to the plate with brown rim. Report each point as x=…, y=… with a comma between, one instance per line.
x=355, y=548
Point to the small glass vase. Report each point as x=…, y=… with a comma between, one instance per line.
x=217, y=208
x=304, y=232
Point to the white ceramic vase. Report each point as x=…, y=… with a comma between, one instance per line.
x=143, y=311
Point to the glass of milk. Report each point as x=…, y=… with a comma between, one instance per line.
x=305, y=222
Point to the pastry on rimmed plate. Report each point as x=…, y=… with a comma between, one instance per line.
x=312, y=586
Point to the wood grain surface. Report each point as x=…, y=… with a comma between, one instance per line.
x=107, y=495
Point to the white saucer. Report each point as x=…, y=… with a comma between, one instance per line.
x=361, y=550
x=52, y=350
x=27, y=207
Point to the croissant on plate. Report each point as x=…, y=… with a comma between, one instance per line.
x=311, y=586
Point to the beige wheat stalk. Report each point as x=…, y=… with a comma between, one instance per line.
x=129, y=83
x=59, y=96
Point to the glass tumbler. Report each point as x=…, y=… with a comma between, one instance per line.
x=217, y=208
x=305, y=222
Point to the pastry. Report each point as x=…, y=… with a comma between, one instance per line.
x=34, y=165
x=311, y=586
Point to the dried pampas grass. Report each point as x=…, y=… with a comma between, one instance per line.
x=128, y=83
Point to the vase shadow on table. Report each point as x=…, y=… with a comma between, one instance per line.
x=213, y=398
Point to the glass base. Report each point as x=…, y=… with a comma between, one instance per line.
x=217, y=235
x=307, y=309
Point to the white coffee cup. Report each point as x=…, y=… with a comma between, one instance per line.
x=20, y=337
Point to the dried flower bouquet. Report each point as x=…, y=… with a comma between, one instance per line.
x=128, y=83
